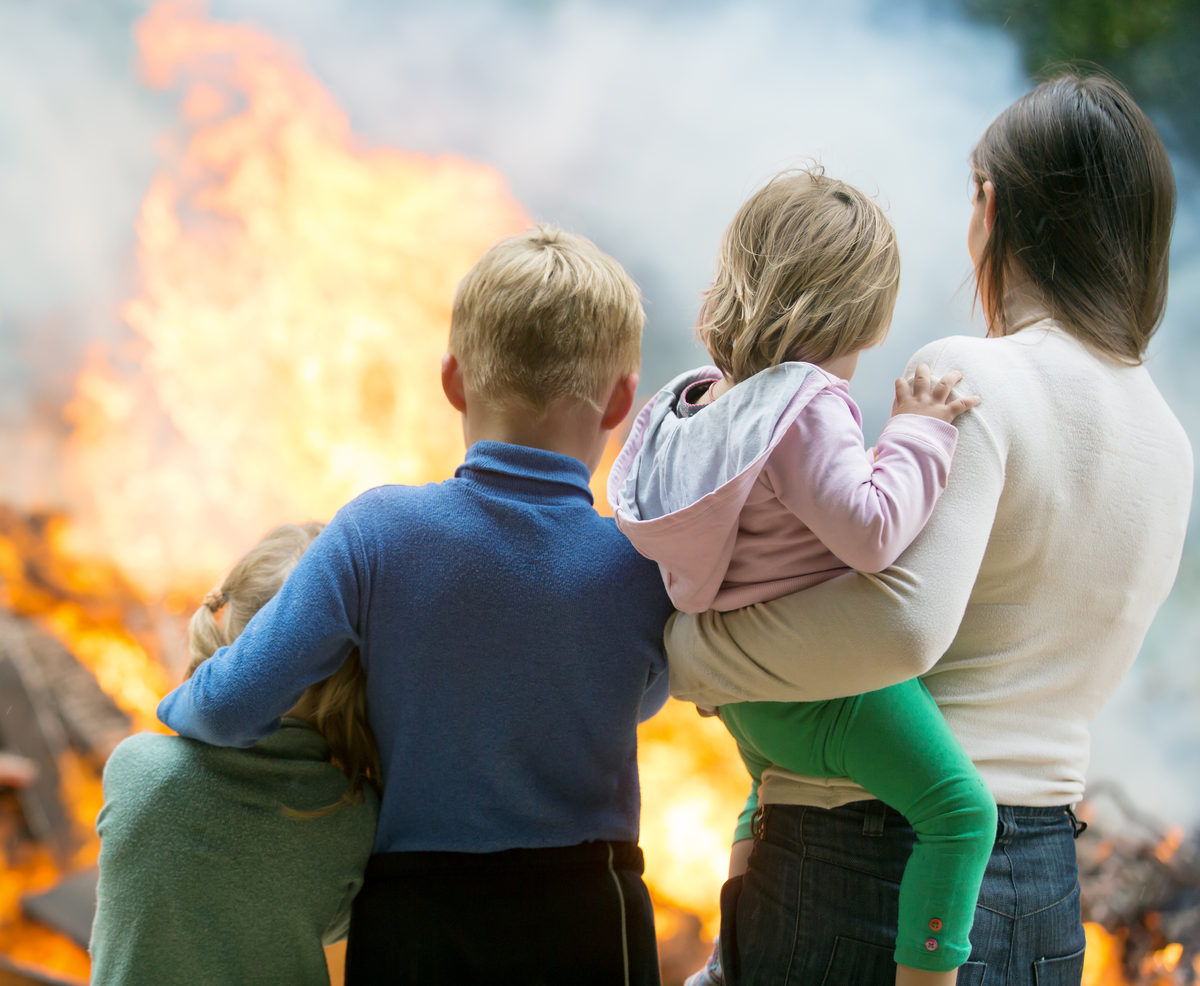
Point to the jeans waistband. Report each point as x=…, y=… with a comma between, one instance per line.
x=876, y=816
x=586, y=855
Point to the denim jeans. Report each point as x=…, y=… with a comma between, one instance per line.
x=818, y=904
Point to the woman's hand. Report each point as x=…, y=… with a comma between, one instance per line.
x=934, y=400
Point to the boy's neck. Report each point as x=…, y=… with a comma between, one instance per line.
x=568, y=427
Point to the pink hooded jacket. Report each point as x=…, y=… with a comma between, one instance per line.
x=768, y=489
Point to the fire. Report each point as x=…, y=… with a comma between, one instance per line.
x=693, y=786
x=1169, y=846
x=26, y=941
x=88, y=607
x=1104, y=966
x=1102, y=960
x=295, y=301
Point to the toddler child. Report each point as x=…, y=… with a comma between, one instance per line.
x=749, y=480
x=512, y=641
x=235, y=866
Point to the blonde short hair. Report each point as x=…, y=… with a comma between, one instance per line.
x=546, y=315
x=337, y=706
x=809, y=270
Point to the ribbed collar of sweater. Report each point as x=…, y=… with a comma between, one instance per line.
x=531, y=472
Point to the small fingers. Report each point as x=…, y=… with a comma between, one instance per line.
x=961, y=405
x=941, y=390
x=920, y=381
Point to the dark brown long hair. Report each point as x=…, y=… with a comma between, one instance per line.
x=1085, y=199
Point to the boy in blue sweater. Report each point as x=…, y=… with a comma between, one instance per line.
x=512, y=641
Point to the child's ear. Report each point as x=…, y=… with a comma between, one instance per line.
x=620, y=401
x=452, y=383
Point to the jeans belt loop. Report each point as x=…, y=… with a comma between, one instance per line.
x=874, y=819
x=756, y=822
x=1006, y=825
x=1077, y=827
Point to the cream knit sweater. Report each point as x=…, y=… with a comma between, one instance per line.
x=1023, y=602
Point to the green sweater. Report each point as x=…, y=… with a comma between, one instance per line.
x=204, y=879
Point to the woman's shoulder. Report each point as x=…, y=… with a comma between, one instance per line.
x=968, y=350
x=1043, y=344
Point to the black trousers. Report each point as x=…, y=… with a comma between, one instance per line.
x=564, y=916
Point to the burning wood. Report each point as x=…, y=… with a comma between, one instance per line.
x=16, y=771
x=58, y=723
x=1142, y=887
x=19, y=974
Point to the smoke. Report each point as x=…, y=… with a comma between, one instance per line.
x=645, y=127
x=642, y=126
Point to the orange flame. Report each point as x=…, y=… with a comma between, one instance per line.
x=295, y=304
x=1166, y=849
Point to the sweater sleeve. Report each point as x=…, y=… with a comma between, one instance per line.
x=301, y=636
x=865, y=509
x=855, y=633
x=657, y=690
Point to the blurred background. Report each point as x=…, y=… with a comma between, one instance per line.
x=231, y=232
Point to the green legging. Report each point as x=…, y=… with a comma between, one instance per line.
x=896, y=744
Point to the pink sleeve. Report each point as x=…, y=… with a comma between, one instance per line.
x=866, y=511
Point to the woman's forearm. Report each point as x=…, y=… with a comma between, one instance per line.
x=855, y=633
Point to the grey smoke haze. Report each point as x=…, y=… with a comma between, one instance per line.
x=641, y=126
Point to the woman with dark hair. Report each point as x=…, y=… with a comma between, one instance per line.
x=1026, y=598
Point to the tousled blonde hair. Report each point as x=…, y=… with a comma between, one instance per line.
x=337, y=706
x=546, y=315
x=808, y=270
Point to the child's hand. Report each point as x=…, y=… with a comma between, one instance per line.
x=922, y=396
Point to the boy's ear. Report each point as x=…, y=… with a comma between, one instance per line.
x=452, y=383
x=620, y=401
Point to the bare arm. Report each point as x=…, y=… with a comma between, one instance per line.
x=855, y=633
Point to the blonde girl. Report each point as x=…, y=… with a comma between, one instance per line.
x=749, y=480
x=238, y=865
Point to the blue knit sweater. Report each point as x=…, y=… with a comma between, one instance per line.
x=512, y=640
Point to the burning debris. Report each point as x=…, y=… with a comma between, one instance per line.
x=1141, y=894
x=59, y=726
x=73, y=682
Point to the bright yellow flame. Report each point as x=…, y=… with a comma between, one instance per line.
x=1166, y=960
x=295, y=304
x=693, y=787
x=1102, y=959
